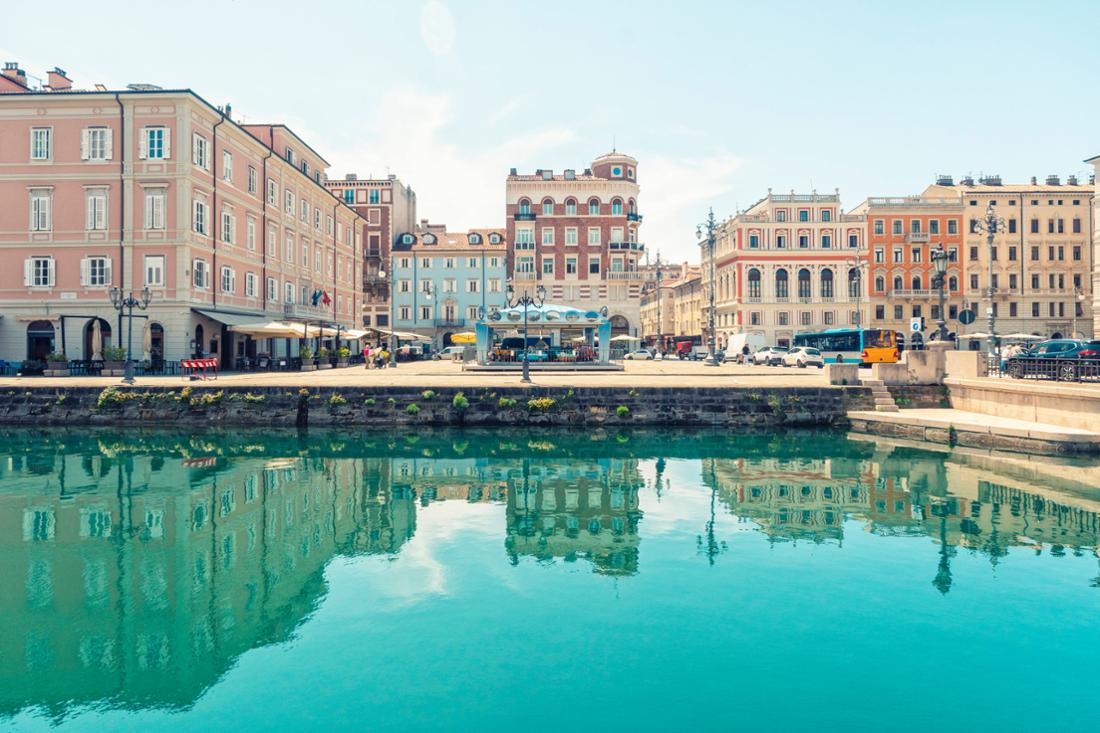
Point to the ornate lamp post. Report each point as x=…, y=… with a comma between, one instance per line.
x=854, y=265
x=710, y=225
x=526, y=301
x=660, y=341
x=939, y=258
x=1078, y=297
x=990, y=225
x=127, y=304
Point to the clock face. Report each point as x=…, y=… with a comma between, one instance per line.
x=616, y=171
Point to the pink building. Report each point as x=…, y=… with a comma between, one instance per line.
x=225, y=223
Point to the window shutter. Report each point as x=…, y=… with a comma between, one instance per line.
x=232, y=281
x=108, y=143
x=85, y=271
x=143, y=144
x=52, y=270
x=47, y=223
x=89, y=212
x=148, y=210
x=84, y=143
x=28, y=272
x=107, y=271
x=167, y=143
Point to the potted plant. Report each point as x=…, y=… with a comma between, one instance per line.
x=56, y=362
x=324, y=358
x=306, y=355
x=114, y=358
x=342, y=355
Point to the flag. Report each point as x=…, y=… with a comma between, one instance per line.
x=325, y=300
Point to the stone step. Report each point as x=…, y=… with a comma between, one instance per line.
x=886, y=408
x=872, y=382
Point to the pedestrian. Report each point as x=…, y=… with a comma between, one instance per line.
x=745, y=354
x=366, y=356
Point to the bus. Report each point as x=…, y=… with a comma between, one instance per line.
x=853, y=345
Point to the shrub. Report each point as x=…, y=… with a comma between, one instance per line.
x=324, y=352
x=305, y=353
x=61, y=399
x=392, y=401
x=632, y=393
x=369, y=402
x=776, y=404
x=413, y=409
x=428, y=394
x=622, y=411
x=111, y=398
x=56, y=356
x=184, y=395
x=540, y=404
x=337, y=400
x=254, y=399
x=114, y=353
x=506, y=402
x=952, y=436
x=343, y=352
x=460, y=403
x=206, y=399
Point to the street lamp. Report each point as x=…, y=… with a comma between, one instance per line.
x=128, y=303
x=526, y=301
x=939, y=259
x=1078, y=297
x=854, y=266
x=660, y=342
x=711, y=226
x=990, y=225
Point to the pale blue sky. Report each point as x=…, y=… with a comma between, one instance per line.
x=718, y=101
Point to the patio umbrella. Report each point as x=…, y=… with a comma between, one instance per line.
x=270, y=329
x=147, y=342
x=975, y=335
x=466, y=337
x=624, y=337
x=1023, y=337
x=97, y=341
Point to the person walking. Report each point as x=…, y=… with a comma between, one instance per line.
x=745, y=354
x=366, y=356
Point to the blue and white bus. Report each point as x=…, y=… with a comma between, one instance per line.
x=853, y=345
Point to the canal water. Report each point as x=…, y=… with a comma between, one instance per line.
x=464, y=581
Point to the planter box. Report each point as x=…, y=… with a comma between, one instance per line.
x=309, y=367
x=343, y=363
x=114, y=366
x=57, y=366
x=57, y=372
x=325, y=365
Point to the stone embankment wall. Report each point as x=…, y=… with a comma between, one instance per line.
x=911, y=397
x=403, y=406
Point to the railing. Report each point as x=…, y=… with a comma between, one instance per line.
x=1062, y=370
x=914, y=293
x=626, y=245
x=917, y=237
x=524, y=216
x=450, y=322
x=628, y=275
x=633, y=216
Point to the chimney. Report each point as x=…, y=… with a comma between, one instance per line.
x=1053, y=180
x=943, y=180
x=1071, y=181
x=967, y=181
x=1034, y=181
x=570, y=174
x=588, y=171
x=350, y=177
x=13, y=72
x=512, y=172
x=57, y=80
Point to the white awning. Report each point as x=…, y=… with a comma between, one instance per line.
x=230, y=319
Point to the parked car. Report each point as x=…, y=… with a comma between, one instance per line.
x=769, y=355
x=803, y=356
x=638, y=354
x=449, y=353
x=698, y=353
x=1057, y=359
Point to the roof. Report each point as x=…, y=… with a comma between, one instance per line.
x=986, y=189
x=293, y=134
x=452, y=241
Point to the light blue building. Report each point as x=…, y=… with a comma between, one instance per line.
x=442, y=280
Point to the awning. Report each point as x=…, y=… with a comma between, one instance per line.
x=353, y=333
x=405, y=335
x=270, y=329
x=230, y=319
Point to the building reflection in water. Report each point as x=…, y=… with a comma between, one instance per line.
x=138, y=569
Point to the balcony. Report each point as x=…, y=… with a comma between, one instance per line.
x=912, y=293
x=373, y=278
x=917, y=237
x=524, y=216
x=629, y=246
x=628, y=275
x=633, y=216
x=449, y=322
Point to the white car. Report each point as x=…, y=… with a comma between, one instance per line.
x=638, y=354
x=803, y=356
x=769, y=355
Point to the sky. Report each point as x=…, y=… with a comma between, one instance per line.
x=718, y=101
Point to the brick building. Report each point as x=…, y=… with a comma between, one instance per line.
x=577, y=235
x=388, y=208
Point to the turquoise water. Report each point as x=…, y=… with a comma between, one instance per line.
x=542, y=581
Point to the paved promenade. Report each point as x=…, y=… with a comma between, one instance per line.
x=449, y=374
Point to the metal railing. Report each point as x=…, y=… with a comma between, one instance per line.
x=1061, y=370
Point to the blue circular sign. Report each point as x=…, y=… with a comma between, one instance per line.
x=966, y=317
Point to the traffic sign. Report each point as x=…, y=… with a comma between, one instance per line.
x=966, y=316
x=916, y=325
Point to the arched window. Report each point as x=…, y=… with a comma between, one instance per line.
x=429, y=239
x=953, y=283
x=571, y=207
x=494, y=238
x=916, y=282
x=474, y=238
x=524, y=206
x=593, y=207
x=854, y=280
x=632, y=206
x=880, y=283
x=407, y=239
x=898, y=283
x=617, y=207
x=547, y=207
x=804, y=284
x=754, y=283
x=826, y=283
x=782, y=284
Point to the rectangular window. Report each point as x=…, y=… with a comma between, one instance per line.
x=1034, y=226
x=272, y=192
x=41, y=143
x=1076, y=226
x=199, y=153
x=227, y=227
x=199, y=220
x=494, y=285
x=915, y=254
x=754, y=241
x=899, y=255
x=1034, y=310
x=250, y=234
x=288, y=201
x=879, y=226
x=547, y=235
x=41, y=211
x=95, y=272
x=154, y=270
x=880, y=255
x=594, y=265
x=38, y=272
x=250, y=284
x=473, y=285
x=780, y=241
x=404, y=313
x=303, y=211
x=155, y=201
x=803, y=215
x=227, y=165
x=952, y=226
x=547, y=265
x=154, y=144
x=571, y=265
x=252, y=179
x=853, y=241
x=593, y=235
x=95, y=144
x=803, y=241
x=826, y=241
x=896, y=226
x=1012, y=226
x=200, y=274
x=933, y=226
x=95, y=209
x=288, y=293
x=229, y=280
x=272, y=289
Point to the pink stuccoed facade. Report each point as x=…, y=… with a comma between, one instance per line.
x=224, y=223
